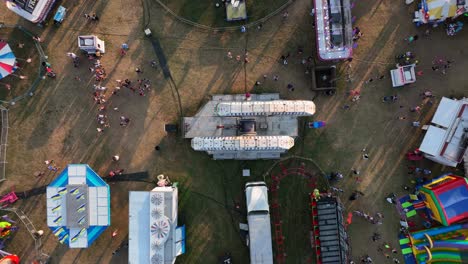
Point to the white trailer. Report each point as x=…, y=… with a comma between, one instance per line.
x=403, y=75
x=258, y=218
x=91, y=44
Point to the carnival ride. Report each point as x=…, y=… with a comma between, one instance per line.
x=333, y=25
x=78, y=206
x=9, y=258
x=7, y=60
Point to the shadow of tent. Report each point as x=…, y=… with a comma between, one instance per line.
x=30, y=193
x=137, y=176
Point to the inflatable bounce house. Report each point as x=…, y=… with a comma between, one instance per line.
x=447, y=199
x=444, y=200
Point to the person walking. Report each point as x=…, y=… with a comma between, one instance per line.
x=72, y=55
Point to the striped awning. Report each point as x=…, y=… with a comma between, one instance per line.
x=439, y=9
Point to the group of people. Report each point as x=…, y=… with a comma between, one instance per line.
x=97, y=69
x=357, y=34
x=376, y=220
x=441, y=64
x=92, y=17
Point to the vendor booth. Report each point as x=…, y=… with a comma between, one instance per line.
x=437, y=11
x=91, y=44
x=403, y=75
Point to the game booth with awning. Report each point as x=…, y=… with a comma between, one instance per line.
x=7, y=60
x=436, y=11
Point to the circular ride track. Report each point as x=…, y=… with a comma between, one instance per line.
x=211, y=15
x=291, y=181
x=29, y=55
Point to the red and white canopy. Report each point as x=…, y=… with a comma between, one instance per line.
x=7, y=60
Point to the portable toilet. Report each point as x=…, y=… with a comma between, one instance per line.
x=91, y=44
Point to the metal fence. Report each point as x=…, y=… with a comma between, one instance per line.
x=221, y=29
x=3, y=141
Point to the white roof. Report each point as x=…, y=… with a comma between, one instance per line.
x=152, y=225
x=138, y=228
x=98, y=198
x=242, y=143
x=403, y=75
x=257, y=197
x=433, y=141
x=276, y=107
x=38, y=13
x=444, y=141
x=259, y=223
x=446, y=112
x=77, y=174
x=261, y=250
x=77, y=206
x=87, y=41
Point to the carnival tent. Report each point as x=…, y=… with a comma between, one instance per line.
x=7, y=60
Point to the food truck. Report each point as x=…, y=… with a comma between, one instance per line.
x=91, y=44
x=35, y=11
x=403, y=75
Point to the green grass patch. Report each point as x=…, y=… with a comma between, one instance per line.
x=295, y=210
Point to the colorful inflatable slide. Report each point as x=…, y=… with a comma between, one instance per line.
x=438, y=245
x=446, y=200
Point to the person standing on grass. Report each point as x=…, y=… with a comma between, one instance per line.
x=412, y=38
x=72, y=55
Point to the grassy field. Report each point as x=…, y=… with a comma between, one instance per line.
x=206, y=13
x=59, y=121
x=294, y=201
